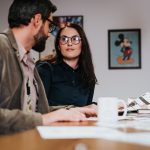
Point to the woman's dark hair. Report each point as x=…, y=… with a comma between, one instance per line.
x=21, y=11
x=85, y=60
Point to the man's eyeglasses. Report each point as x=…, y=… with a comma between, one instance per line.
x=52, y=25
x=74, y=39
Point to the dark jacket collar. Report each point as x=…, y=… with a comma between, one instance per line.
x=66, y=66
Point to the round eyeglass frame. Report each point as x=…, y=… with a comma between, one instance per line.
x=71, y=38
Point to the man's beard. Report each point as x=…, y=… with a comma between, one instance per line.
x=40, y=41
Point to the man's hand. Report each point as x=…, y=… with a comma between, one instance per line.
x=63, y=115
x=92, y=106
x=73, y=114
x=89, y=111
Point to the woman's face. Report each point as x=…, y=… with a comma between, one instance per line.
x=70, y=43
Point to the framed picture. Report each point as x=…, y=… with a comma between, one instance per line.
x=124, y=49
x=62, y=20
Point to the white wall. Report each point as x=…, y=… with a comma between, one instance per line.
x=99, y=16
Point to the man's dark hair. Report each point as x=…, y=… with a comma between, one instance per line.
x=85, y=60
x=22, y=11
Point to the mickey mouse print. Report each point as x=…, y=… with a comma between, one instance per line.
x=124, y=47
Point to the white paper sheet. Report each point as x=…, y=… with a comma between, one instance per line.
x=73, y=132
x=135, y=123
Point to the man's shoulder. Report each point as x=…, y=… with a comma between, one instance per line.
x=3, y=38
x=7, y=38
x=4, y=43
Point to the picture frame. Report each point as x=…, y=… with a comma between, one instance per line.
x=124, y=49
x=62, y=20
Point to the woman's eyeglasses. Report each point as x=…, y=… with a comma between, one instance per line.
x=52, y=25
x=74, y=39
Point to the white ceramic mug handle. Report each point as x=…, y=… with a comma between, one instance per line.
x=125, y=109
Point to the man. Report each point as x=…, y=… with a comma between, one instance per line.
x=23, y=103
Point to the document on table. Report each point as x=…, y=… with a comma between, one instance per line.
x=73, y=132
x=140, y=123
x=57, y=132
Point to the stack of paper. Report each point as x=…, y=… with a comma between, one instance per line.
x=142, y=102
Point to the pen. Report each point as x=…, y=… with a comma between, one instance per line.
x=132, y=111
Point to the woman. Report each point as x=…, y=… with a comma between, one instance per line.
x=71, y=79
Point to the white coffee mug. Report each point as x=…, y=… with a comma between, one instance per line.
x=108, y=109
